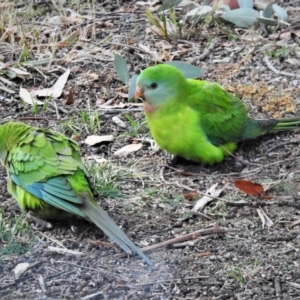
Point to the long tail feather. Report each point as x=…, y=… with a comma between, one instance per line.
x=287, y=124
x=98, y=216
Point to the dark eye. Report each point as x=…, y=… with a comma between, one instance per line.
x=154, y=85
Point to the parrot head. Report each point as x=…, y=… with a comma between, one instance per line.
x=159, y=84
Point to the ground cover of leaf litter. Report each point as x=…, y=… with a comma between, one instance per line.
x=260, y=260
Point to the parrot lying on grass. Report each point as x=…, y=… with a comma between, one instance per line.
x=46, y=176
x=198, y=120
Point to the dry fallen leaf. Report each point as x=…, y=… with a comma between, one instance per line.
x=293, y=61
x=118, y=122
x=21, y=268
x=190, y=195
x=56, y=90
x=92, y=140
x=28, y=97
x=124, y=151
x=251, y=188
x=70, y=98
x=212, y=192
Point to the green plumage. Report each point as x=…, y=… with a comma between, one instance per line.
x=198, y=120
x=46, y=176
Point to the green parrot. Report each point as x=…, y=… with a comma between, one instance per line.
x=198, y=120
x=46, y=176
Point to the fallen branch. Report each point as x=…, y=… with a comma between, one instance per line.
x=213, y=230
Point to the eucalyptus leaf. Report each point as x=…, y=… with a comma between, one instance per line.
x=188, y=71
x=268, y=11
x=169, y=4
x=245, y=3
x=132, y=86
x=121, y=68
x=280, y=12
x=242, y=17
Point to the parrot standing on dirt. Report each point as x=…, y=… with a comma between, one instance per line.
x=46, y=176
x=198, y=120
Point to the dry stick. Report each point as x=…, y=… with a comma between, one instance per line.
x=124, y=45
x=182, y=238
x=254, y=171
x=272, y=68
x=168, y=280
x=199, y=214
x=99, y=270
x=53, y=104
x=204, y=55
x=36, y=119
x=238, y=159
x=101, y=243
x=118, y=110
x=283, y=144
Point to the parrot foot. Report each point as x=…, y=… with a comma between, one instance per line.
x=173, y=161
x=39, y=223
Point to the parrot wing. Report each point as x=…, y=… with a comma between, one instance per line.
x=46, y=164
x=223, y=116
x=40, y=164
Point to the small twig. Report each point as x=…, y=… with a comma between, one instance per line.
x=64, y=251
x=199, y=214
x=60, y=274
x=53, y=104
x=204, y=55
x=207, y=51
x=36, y=119
x=92, y=295
x=215, y=229
x=184, y=244
x=237, y=174
x=238, y=159
x=101, y=243
x=118, y=110
x=283, y=144
x=279, y=162
x=272, y=68
x=83, y=267
x=55, y=241
x=58, y=108
x=168, y=280
x=123, y=45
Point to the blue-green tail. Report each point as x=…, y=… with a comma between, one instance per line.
x=255, y=128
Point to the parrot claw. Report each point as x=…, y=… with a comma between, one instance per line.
x=39, y=223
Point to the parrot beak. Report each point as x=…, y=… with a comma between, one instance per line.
x=139, y=92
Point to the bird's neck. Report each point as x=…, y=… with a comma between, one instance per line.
x=149, y=109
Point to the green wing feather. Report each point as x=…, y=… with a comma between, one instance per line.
x=223, y=116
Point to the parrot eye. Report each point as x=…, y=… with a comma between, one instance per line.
x=153, y=85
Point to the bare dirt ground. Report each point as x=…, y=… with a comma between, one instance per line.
x=257, y=261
